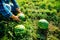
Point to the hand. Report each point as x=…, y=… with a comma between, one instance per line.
x=18, y=10
x=15, y=18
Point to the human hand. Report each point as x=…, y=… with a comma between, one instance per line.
x=15, y=18
x=18, y=10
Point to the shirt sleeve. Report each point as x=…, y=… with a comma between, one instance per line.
x=6, y=12
x=15, y=3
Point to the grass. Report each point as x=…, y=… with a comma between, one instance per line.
x=34, y=11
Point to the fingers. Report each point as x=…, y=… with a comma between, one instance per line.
x=17, y=19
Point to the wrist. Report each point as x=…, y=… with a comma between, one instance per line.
x=12, y=16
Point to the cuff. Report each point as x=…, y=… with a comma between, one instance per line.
x=8, y=15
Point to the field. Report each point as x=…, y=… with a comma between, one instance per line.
x=34, y=10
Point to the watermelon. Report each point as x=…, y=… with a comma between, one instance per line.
x=43, y=24
x=21, y=16
x=19, y=29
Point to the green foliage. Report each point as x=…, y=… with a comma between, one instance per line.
x=34, y=10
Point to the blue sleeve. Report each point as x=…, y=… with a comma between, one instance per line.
x=15, y=3
x=6, y=12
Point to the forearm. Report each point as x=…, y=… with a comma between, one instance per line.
x=6, y=14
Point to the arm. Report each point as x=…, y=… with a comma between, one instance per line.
x=7, y=13
x=16, y=5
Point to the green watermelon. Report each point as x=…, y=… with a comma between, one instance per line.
x=22, y=16
x=19, y=29
x=43, y=24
